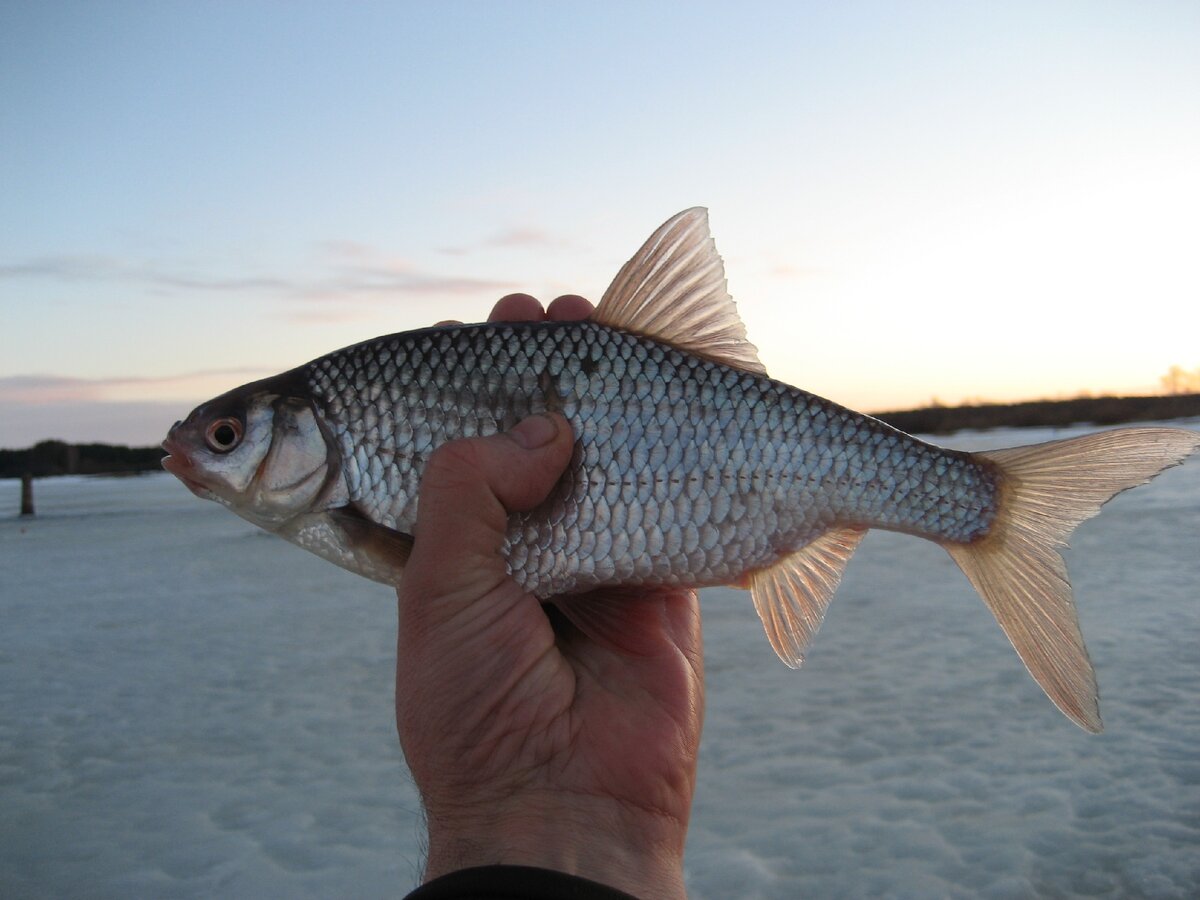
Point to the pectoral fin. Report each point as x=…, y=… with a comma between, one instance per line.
x=792, y=595
x=344, y=536
x=385, y=549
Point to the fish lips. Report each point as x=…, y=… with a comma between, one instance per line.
x=179, y=464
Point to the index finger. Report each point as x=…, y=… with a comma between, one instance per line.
x=569, y=308
x=516, y=308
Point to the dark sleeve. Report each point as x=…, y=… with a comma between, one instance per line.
x=514, y=883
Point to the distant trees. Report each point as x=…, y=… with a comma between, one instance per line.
x=1180, y=381
x=61, y=458
x=1045, y=413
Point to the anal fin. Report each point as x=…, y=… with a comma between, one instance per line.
x=792, y=595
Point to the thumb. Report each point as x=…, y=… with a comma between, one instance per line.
x=468, y=489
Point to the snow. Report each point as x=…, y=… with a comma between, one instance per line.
x=191, y=708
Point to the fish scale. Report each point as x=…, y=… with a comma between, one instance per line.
x=721, y=469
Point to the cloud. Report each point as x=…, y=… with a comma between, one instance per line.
x=344, y=249
x=217, y=283
x=133, y=409
x=138, y=423
x=51, y=390
x=366, y=281
x=523, y=237
x=354, y=272
x=514, y=237
x=22, y=390
x=63, y=268
x=75, y=268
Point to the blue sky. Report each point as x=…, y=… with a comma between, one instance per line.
x=913, y=200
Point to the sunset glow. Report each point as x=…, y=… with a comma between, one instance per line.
x=913, y=201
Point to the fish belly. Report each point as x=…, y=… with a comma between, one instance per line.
x=685, y=472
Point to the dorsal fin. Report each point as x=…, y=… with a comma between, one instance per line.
x=673, y=290
x=791, y=596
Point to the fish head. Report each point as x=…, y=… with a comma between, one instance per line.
x=264, y=453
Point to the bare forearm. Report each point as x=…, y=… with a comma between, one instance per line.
x=637, y=851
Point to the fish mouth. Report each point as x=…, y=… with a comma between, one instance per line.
x=178, y=464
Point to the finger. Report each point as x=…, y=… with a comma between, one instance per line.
x=569, y=308
x=467, y=491
x=631, y=621
x=517, y=308
x=445, y=322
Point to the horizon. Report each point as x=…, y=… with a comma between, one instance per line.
x=933, y=404
x=918, y=204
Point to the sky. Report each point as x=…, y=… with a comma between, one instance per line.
x=914, y=201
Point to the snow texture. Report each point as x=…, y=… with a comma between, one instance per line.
x=191, y=708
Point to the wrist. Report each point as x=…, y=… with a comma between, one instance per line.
x=637, y=850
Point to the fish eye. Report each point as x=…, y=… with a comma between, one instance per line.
x=223, y=435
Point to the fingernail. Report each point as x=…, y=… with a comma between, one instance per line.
x=536, y=431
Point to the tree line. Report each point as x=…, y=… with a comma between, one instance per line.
x=60, y=458
x=1099, y=411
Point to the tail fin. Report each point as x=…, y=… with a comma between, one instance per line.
x=1046, y=491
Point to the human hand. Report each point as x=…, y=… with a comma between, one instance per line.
x=530, y=743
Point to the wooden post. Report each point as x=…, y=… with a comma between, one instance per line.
x=27, y=494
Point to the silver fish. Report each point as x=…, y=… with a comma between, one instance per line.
x=691, y=466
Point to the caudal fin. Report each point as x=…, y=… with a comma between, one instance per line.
x=1046, y=491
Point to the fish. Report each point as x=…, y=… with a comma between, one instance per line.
x=691, y=466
